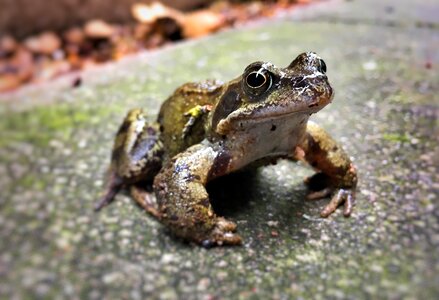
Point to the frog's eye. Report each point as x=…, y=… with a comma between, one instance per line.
x=322, y=66
x=258, y=81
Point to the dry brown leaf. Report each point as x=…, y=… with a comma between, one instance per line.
x=123, y=46
x=98, y=41
x=150, y=13
x=74, y=35
x=45, y=43
x=8, y=45
x=74, y=60
x=202, y=22
x=141, y=31
x=98, y=29
x=24, y=63
x=9, y=82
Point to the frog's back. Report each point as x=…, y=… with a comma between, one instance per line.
x=172, y=116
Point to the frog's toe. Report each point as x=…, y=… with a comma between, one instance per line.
x=319, y=186
x=229, y=238
x=146, y=199
x=222, y=234
x=320, y=194
x=225, y=225
x=345, y=196
x=222, y=239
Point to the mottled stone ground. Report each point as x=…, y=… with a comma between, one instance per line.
x=55, y=144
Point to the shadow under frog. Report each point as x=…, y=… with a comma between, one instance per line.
x=251, y=197
x=210, y=129
x=257, y=198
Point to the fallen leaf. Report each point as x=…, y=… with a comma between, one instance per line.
x=23, y=62
x=254, y=10
x=44, y=56
x=45, y=43
x=74, y=60
x=74, y=36
x=123, y=46
x=150, y=13
x=161, y=20
x=168, y=28
x=7, y=45
x=155, y=40
x=98, y=29
x=201, y=23
x=141, y=31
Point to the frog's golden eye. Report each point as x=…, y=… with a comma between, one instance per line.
x=258, y=81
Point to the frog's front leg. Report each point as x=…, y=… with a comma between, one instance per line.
x=183, y=201
x=194, y=114
x=337, y=173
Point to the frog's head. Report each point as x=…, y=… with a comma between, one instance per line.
x=265, y=92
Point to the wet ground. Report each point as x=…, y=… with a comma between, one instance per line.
x=54, y=149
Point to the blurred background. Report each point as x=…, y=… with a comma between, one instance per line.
x=25, y=17
x=40, y=40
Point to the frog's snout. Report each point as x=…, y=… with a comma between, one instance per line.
x=309, y=61
x=316, y=62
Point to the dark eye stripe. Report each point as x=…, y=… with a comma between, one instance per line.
x=228, y=103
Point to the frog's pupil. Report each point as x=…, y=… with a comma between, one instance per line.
x=256, y=79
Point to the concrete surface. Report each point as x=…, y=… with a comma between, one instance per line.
x=56, y=141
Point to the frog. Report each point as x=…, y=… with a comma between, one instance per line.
x=209, y=129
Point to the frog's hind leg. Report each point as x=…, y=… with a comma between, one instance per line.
x=136, y=156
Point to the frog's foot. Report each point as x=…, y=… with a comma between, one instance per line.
x=114, y=185
x=146, y=199
x=345, y=196
x=340, y=196
x=222, y=234
x=322, y=186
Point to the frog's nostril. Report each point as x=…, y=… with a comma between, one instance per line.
x=321, y=66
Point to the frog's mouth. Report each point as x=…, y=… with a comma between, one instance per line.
x=244, y=122
x=276, y=112
x=281, y=115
